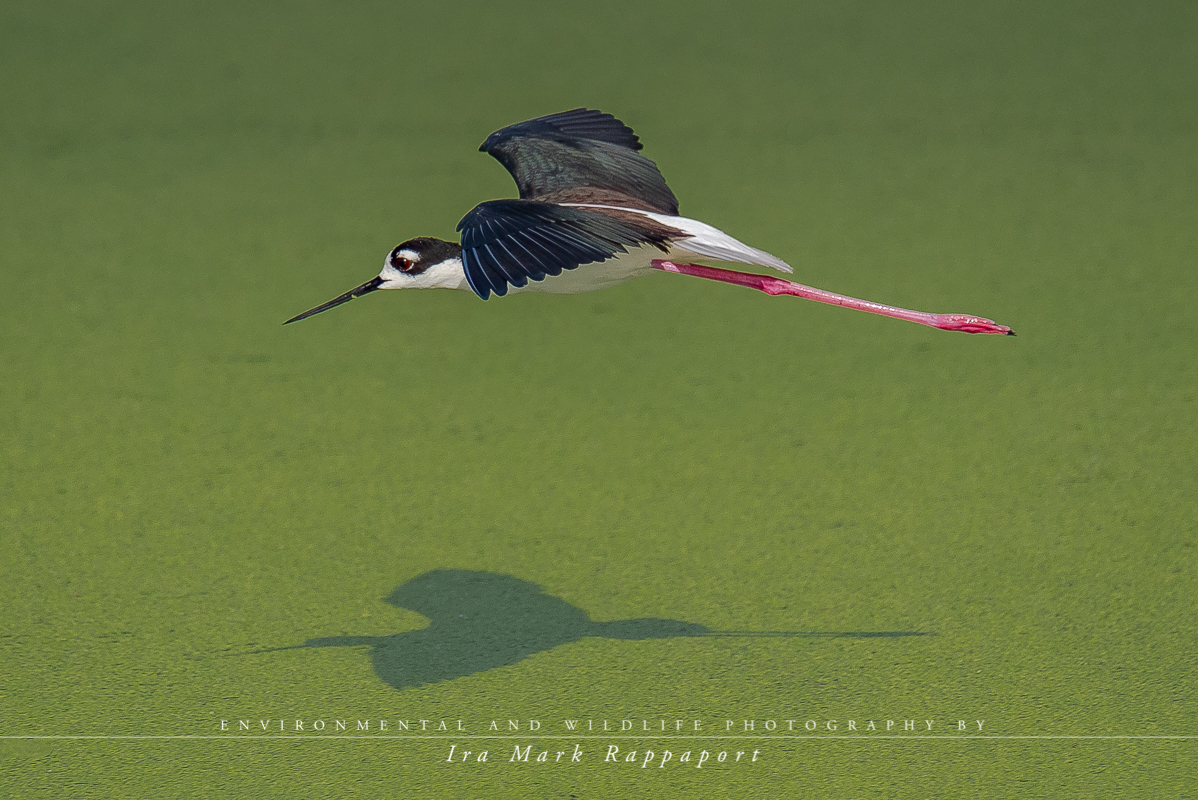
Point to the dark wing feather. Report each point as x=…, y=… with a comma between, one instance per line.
x=579, y=123
x=579, y=148
x=510, y=242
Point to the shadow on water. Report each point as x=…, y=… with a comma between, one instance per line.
x=479, y=621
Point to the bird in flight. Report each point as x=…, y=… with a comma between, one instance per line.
x=593, y=212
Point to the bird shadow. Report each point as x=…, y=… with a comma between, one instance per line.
x=480, y=621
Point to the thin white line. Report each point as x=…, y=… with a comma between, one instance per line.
x=316, y=735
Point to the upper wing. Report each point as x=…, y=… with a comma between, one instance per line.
x=509, y=242
x=579, y=148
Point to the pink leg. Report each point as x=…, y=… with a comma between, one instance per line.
x=773, y=286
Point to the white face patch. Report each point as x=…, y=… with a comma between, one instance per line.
x=395, y=278
x=445, y=275
x=411, y=256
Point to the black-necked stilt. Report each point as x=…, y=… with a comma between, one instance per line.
x=593, y=212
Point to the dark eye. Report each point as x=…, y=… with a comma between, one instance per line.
x=399, y=262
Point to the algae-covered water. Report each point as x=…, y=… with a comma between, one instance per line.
x=539, y=508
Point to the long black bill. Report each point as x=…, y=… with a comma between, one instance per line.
x=365, y=288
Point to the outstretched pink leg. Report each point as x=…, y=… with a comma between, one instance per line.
x=770, y=285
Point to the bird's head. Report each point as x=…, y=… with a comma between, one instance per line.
x=420, y=263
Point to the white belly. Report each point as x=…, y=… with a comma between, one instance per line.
x=600, y=275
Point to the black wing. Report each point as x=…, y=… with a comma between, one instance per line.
x=509, y=242
x=579, y=148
